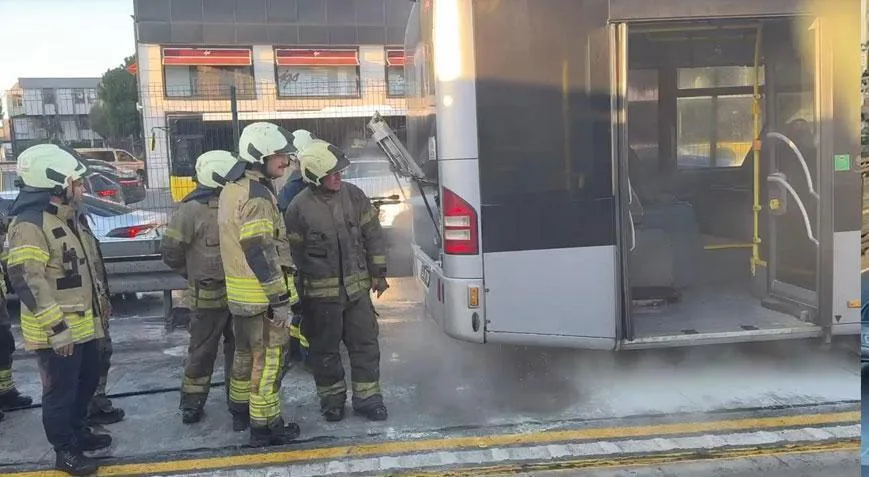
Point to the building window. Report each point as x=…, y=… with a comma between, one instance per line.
x=91, y=95
x=714, y=125
x=83, y=122
x=78, y=96
x=208, y=73
x=395, y=72
x=317, y=73
x=48, y=96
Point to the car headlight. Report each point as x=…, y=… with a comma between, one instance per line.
x=864, y=338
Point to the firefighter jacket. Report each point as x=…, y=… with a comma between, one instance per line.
x=191, y=246
x=253, y=244
x=56, y=269
x=336, y=241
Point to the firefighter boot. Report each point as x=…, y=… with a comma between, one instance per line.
x=101, y=412
x=191, y=416
x=13, y=399
x=89, y=441
x=75, y=463
x=376, y=412
x=277, y=434
x=240, y=421
x=334, y=414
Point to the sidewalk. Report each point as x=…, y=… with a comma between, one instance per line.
x=442, y=390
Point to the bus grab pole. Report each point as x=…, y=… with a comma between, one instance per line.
x=233, y=102
x=755, y=112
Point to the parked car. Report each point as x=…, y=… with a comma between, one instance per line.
x=132, y=187
x=119, y=158
x=109, y=220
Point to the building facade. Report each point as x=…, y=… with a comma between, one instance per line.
x=42, y=109
x=325, y=65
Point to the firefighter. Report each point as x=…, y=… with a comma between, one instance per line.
x=298, y=343
x=191, y=246
x=340, y=251
x=52, y=262
x=10, y=398
x=260, y=284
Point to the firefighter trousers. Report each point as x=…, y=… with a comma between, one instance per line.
x=7, y=347
x=99, y=402
x=207, y=325
x=257, y=370
x=326, y=324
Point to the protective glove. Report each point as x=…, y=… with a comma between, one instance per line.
x=378, y=286
x=282, y=316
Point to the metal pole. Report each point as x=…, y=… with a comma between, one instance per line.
x=233, y=101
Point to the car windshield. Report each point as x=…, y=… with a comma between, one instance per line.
x=358, y=170
x=103, y=208
x=107, y=156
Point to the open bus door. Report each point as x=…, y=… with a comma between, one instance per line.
x=798, y=197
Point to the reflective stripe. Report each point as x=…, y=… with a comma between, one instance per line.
x=6, y=380
x=245, y=290
x=173, y=234
x=46, y=318
x=239, y=391
x=378, y=259
x=256, y=227
x=296, y=332
x=195, y=385
x=334, y=390
x=265, y=403
x=208, y=298
x=366, y=390
x=329, y=287
x=23, y=253
x=82, y=326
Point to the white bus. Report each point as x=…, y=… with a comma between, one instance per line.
x=622, y=174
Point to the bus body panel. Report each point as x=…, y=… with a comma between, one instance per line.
x=446, y=300
x=557, y=341
x=558, y=292
x=846, y=289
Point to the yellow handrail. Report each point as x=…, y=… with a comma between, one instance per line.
x=755, y=248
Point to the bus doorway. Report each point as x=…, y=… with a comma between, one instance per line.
x=722, y=238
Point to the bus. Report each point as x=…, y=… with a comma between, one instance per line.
x=625, y=174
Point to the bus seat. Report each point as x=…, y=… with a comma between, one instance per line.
x=651, y=264
x=678, y=222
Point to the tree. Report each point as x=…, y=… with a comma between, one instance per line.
x=115, y=116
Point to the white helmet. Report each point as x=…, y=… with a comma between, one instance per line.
x=260, y=140
x=320, y=159
x=48, y=167
x=302, y=138
x=212, y=168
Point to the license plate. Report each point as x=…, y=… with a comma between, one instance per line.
x=425, y=274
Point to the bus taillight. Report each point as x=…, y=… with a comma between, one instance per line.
x=460, y=225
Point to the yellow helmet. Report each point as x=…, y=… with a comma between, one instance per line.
x=212, y=168
x=319, y=159
x=302, y=138
x=48, y=167
x=260, y=140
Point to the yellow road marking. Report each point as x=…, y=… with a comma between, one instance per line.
x=460, y=443
x=647, y=460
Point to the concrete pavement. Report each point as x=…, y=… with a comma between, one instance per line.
x=448, y=395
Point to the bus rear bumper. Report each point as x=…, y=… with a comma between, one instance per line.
x=450, y=302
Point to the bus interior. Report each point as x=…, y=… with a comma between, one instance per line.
x=691, y=120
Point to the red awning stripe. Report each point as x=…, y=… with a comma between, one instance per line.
x=395, y=58
x=207, y=56
x=297, y=57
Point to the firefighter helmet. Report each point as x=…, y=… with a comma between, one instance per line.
x=260, y=140
x=302, y=138
x=48, y=167
x=213, y=167
x=320, y=159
